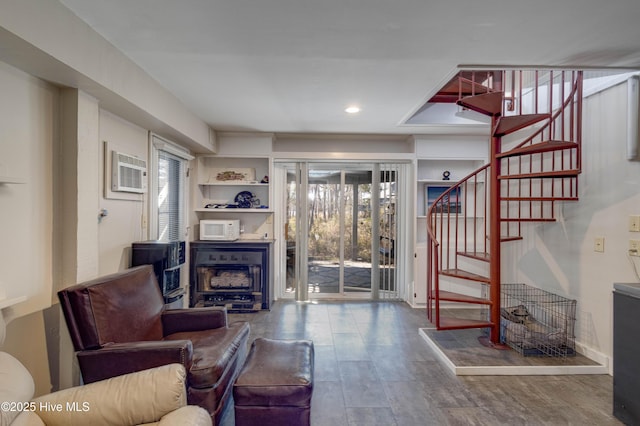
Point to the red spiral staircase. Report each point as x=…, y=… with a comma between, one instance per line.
x=534, y=163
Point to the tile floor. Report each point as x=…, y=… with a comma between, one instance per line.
x=462, y=349
x=373, y=368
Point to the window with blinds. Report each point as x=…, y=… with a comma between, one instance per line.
x=171, y=172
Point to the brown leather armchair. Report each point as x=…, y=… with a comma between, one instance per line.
x=118, y=325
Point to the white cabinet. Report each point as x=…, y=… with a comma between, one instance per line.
x=236, y=188
x=420, y=275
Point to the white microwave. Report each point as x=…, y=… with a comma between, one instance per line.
x=219, y=230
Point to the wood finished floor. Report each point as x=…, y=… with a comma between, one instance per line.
x=373, y=368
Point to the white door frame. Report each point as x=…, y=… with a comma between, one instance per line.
x=403, y=251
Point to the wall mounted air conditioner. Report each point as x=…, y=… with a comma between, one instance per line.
x=128, y=173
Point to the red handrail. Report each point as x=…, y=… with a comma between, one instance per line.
x=439, y=213
x=448, y=232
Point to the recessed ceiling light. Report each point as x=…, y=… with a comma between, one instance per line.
x=352, y=109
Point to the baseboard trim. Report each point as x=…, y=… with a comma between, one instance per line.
x=596, y=356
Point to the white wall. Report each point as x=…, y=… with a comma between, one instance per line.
x=447, y=147
x=53, y=139
x=28, y=123
x=27, y=137
x=341, y=146
x=559, y=256
x=126, y=212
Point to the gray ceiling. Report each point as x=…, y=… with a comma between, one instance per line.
x=294, y=65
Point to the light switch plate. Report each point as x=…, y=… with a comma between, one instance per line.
x=598, y=244
x=634, y=223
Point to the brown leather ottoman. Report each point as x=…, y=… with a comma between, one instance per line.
x=275, y=384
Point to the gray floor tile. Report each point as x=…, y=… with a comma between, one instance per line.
x=373, y=368
x=327, y=405
x=376, y=416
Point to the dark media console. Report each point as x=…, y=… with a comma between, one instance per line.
x=167, y=258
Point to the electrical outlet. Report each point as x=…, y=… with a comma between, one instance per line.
x=634, y=223
x=634, y=247
x=598, y=244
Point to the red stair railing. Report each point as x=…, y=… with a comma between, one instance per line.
x=462, y=229
x=555, y=153
x=535, y=171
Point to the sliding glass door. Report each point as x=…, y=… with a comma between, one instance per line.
x=340, y=230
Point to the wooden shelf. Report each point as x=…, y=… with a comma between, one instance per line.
x=446, y=182
x=434, y=181
x=223, y=192
x=234, y=183
x=231, y=210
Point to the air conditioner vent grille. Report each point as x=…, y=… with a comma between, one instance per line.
x=127, y=159
x=129, y=174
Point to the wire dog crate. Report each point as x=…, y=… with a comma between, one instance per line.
x=535, y=322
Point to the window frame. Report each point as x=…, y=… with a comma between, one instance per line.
x=158, y=145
